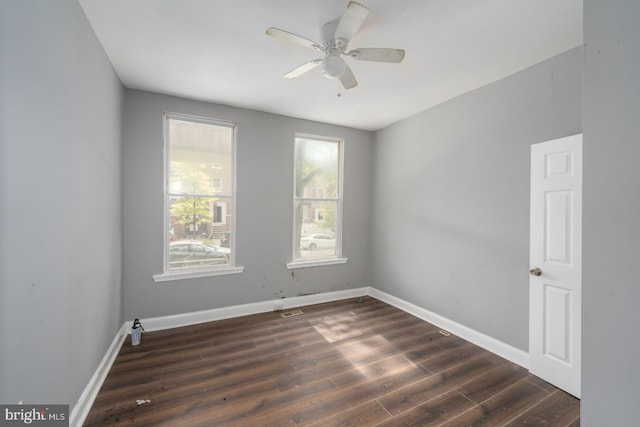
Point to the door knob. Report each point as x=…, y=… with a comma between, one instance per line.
x=535, y=272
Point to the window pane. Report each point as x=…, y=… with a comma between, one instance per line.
x=200, y=158
x=317, y=164
x=199, y=232
x=317, y=222
x=199, y=192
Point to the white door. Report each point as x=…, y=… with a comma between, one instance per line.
x=555, y=294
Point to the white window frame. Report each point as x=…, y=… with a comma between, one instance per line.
x=196, y=272
x=337, y=258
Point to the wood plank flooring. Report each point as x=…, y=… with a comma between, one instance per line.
x=344, y=363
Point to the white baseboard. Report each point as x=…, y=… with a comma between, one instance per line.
x=88, y=396
x=491, y=344
x=193, y=318
x=83, y=406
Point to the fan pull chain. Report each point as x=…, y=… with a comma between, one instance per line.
x=339, y=88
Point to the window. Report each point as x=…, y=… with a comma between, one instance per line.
x=199, y=197
x=317, y=203
x=216, y=184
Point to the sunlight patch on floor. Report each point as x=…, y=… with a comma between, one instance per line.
x=361, y=353
x=338, y=327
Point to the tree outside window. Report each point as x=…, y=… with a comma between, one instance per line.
x=199, y=192
x=317, y=198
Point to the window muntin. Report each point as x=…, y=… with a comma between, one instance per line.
x=200, y=194
x=317, y=198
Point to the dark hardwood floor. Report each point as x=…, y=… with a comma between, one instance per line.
x=344, y=363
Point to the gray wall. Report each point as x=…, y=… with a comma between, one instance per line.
x=60, y=201
x=448, y=184
x=264, y=205
x=450, y=227
x=611, y=269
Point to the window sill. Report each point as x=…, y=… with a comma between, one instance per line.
x=315, y=263
x=194, y=274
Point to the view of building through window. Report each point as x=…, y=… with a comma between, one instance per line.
x=317, y=198
x=200, y=178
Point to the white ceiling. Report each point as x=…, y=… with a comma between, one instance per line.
x=217, y=51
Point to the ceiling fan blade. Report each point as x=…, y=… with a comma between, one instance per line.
x=347, y=79
x=377, y=54
x=293, y=38
x=307, y=66
x=351, y=21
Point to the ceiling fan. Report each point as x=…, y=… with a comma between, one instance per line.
x=336, y=35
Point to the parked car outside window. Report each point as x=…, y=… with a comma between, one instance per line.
x=188, y=253
x=317, y=241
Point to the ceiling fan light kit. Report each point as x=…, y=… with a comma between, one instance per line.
x=333, y=66
x=337, y=34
